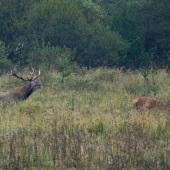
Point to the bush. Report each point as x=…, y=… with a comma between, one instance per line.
x=5, y=64
x=48, y=56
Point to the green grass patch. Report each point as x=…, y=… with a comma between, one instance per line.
x=86, y=122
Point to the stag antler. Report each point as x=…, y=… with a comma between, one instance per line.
x=20, y=77
x=34, y=75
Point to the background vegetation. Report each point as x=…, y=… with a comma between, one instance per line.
x=86, y=122
x=130, y=33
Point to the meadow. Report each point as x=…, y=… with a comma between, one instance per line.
x=86, y=122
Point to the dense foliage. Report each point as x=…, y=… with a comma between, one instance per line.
x=130, y=33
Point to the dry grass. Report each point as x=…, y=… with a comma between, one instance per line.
x=86, y=123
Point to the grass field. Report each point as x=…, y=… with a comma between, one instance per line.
x=87, y=122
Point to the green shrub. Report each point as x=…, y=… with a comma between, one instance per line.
x=5, y=64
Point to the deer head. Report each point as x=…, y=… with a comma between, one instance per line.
x=23, y=92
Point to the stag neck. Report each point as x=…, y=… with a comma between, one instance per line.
x=27, y=90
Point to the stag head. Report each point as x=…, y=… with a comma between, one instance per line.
x=33, y=83
x=22, y=93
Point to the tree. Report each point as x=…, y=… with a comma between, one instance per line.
x=77, y=25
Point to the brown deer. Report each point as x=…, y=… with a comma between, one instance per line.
x=23, y=92
x=149, y=103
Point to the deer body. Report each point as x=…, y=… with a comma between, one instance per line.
x=23, y=92
x=149, y=103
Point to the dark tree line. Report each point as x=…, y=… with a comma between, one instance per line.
x=130, y=33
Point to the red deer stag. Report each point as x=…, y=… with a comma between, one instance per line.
x=23, y=92
x=149, y=103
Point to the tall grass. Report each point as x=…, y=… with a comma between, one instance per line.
x=87, y=122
